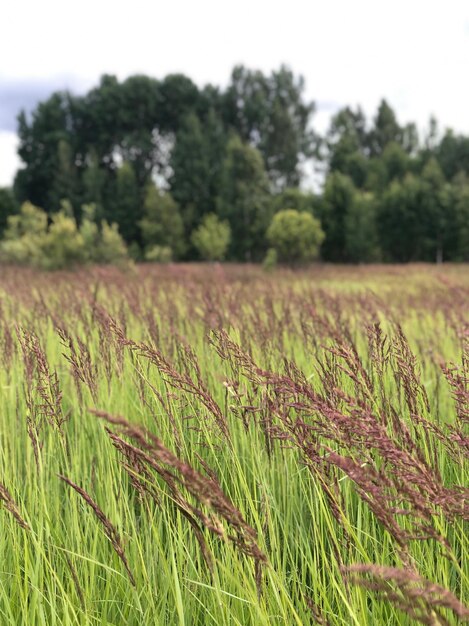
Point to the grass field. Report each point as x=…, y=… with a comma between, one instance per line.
x=218, y=445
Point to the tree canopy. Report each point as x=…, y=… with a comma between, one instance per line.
x=155, y=157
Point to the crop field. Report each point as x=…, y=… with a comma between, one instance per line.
x=217, y=445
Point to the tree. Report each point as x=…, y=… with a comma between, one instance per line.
x=453, y=154
x=8, y=206
x=126, y=209
x=162, y=223
x=399, y=221
x=431, y=138
x=393, y=164
x=385, y=130
x=65, y=183
x=211, y=239
x=361, y=236
x=95, y=180
x=295, y=236
x=39, y=138
x=434, y=212
x=138, y=144
x=294, y=198
x=337, y=202
x=178, y=97
x=410, y=139
x=244, y=200
x=457, y=232
x=346, y=145
x=270, y=113
x=190, y=182
x=116, y=122
x=396, y=161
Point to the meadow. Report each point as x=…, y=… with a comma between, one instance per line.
x=207, y=444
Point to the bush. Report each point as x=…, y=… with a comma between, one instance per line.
x=62, y=245
x=295, y=236
x=212, y=238
x=270, y=260
x=24, y=236
x=8, y=206
x=111, y=246
x=159, y=254
x=30, y=240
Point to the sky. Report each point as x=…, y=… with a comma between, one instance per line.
x=414, y=53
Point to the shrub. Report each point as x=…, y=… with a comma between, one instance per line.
x=24, y=236
x=212, y=238
x=111, y=247
x=271, y=259
x=295, y=236
x=62, y=245
x=30, y=240
x=8, y=206
x=159, y=254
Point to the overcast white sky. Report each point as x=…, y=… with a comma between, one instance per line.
x=415, y=53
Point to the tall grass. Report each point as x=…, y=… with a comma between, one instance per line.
x=214, y=445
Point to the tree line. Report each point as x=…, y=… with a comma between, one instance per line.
x=181, y=172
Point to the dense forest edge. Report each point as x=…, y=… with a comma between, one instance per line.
x=163, y=170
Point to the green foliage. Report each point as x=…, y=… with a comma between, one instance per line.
x=159, y=254
x=192, y=167
x=346, y=144
x=452, y=154
x=295, y=236
x=212, y=238
x=8, y=206
x=270, y=113
x=127, y=210
x=457, y=204
x=24, y=237
x=244, y=200
x=162, y=225
x=89, y=232
x=104, y=243
x=385, y=129
x=31, y=240
x=63, y=246
x=396, y=162
x=294, y=198
x=111, y=246
x=241, y=153
x=337, y=202
x=94, y=185
x=39, y=139
x=361, y=235
x=270, y=260
x=399, y=222
x=65, y=184
x=434, y=212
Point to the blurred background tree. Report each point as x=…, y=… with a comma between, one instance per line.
x=156, y=156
